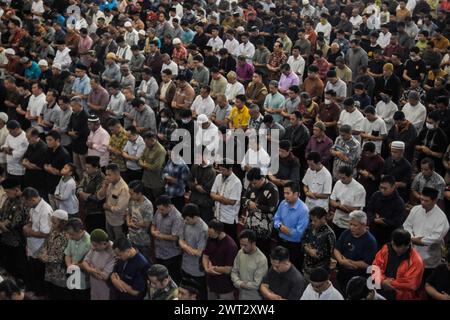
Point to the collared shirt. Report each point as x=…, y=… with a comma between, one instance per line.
x=63, y=58
x=134, y=149
x=100, y=141
x=323, y=240
x=215, y=43
x=16, y=213
x=244, y=72
x=386, y=112
x=234, y=89
x=203, y=105
x=340, y=87
x=352, y=194
x=295, y=218
x=140, y=212
x=433, y=227
x=117, y=196
x=66, y=190
x=323, y=147
x=99, y=97
x=329, y=294
x=19, y=146
x=232, y=46
x=230, y=188
x=239, y=117
x=62, y=123
x=77, y=250
x=195, y=236
x=435, y=181
x=297, y=65
x=146, y=119
x=171, y=224
x=50, y=114
x=116, y=105
x=40, y=218
x=82, y=86
x=155, y=159
x=118, y=141
x=222, y=113
x=287, y=81
x=275, y=101
x=247, y=50
x=318, y=182
x=33, y=72
x=181, y=173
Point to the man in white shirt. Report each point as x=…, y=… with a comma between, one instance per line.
x=337, y=85
x=35, y=104
x=320, y=287
x=386, y=108
x=373, y=128
x=226, y=192
x=131, y=35
x=348, y=195
x=203, y=103
x=215, y=42
x=231, y=44
x=246, y=48
x=15, y=146
x=352, y=117
x=62, y=56
x=207, y=134
x=169, y=64
x=356, y=20
x=428, y=226
x=116, y=105
x=234, y=87
x=317, y=183
x=36, y=230
x=415, y=112
x=384, y=38
x=325, y=27
x=297, y=63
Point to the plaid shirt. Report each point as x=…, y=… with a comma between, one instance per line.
x=181, y=173
x=118, y=141
x=166, y=128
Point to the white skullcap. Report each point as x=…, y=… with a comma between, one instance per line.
x=60, y=214
x=398, y=145
x=202, y=119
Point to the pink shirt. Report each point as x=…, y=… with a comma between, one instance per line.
x=100, y=142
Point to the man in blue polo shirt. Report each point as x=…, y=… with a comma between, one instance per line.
x=291, y=221
x=129, y=277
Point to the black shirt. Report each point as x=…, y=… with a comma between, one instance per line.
x=78, y=123
x=289, y=285
x=36, y=154
x=401, y=171
x=200, y=40
x=440, y=279
x=57, y=159
x=415, y=68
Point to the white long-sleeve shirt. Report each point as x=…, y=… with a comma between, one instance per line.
x=384, y=39
x=415, y=114
x=232, y=46
x=386, y=112
x=247, y=50
x=203, y=105
x=297, y=65
x=326, y=29
x=18, y=145
x=432, y=226
x=234, y=89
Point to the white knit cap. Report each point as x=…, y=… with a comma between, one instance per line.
x=60, y=214
x=398, y=145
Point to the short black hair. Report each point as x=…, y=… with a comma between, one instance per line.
x=113, y=167
x=137, y=186
x=279, y=253
x=357, y=288
x=430, y=193
x=30, y=193
x=428, y=161
x=345, y=170
x=216, y=225
x=122, y=244
x=158, y=271
x=318, y=212
x=388, y=179
x=74, y=225
x=190, y=210
x=248, y=234
x=294, y=186
x=314, y=157
x=254, y=174
x=54, y=134
x=400, y=237
x=163, y=200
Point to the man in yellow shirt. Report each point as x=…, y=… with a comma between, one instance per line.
x=239, y=115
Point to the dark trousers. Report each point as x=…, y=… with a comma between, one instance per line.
x=14, y=260
x=56, y=292
x=80, y=295
x=152, y=194
x=337, y=230
x=95, y=221
x=174, y=266
x=230, y=229
x=265, y=245
x=131, y=175
x=206, y=213
x=201, y=284
x=19, y=178
x=36, y=273
x=295, y=252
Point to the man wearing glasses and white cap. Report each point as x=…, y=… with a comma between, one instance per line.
x=400, y=168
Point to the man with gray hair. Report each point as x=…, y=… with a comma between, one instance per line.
x=355, y=249
x=256, y=117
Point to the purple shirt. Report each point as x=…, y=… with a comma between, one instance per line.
x=245, y=72
x=287, y=81
x=322, y=147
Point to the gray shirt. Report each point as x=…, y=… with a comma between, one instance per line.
x=146, y=119
x=356, y=60
x=62, y=123
x=140, y=212
x=49, y=115
x=290, y=106
x=222, y=113
x=249, y=268
x=195, y=236
x=171, y=224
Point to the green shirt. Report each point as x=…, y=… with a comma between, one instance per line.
x=77, y=250
x=155, y=159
